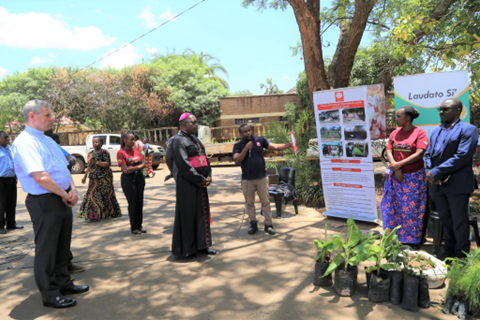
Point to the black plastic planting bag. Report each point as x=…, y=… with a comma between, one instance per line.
x=379, y=290
x=423, y=294
x=346, y=281
x=368, y=275
x=396, y=287
x=410, y=293
x=320, y=268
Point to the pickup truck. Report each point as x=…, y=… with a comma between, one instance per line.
x=111, y=143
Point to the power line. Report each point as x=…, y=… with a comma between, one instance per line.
x=143, y=35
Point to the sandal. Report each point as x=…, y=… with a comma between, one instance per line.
x=137, y=232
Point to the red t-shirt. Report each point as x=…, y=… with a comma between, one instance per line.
x=132, y=157
x=405, y=143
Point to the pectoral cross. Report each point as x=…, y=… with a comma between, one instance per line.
x=201, y=160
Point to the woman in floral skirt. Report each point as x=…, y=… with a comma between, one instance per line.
x=100, y=201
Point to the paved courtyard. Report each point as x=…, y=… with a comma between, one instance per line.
x=135, y=277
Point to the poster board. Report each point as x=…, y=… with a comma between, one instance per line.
x=426, y=92
x=347, y=119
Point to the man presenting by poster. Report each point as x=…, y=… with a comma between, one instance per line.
x=449, y=157
x=249, y=153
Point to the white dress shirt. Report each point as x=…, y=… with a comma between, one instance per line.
x=35, y=152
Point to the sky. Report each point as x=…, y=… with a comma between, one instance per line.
x=250, y=44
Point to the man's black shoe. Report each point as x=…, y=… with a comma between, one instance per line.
x=269, y=230
x=253, y=227
x=75, y=289
x=191, y=256
x=208, y=251
x=15, y=226
x=60, y=302
x=3, y=231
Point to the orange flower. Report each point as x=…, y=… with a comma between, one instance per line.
x=214, y=138
x=223, y=137
x=226, y=131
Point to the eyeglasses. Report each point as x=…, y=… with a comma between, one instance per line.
x=192, y=122
x=446, y=109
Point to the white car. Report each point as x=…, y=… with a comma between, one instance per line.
x=111, y=143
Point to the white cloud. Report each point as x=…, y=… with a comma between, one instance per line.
x=152, y=50
x=167, y=15
x=123, y=58
x=97, y=11
x=72, y=5
x=3, y=72
x=35, y=30
x=40, y=60
x=51, y=55
x=110, y=17
x=147, y=17
x=285, y=78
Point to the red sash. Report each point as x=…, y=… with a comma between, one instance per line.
x=198, y=161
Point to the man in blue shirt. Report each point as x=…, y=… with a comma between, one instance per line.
x=449, y=157
x=249, y=153
x=42, y=170
x=8, y=186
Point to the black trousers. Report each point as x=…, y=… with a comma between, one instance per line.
x=8, y=201
x=52, y=226
x=133, y=186
x=453, y=212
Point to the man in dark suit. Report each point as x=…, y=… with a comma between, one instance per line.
x=449, y=159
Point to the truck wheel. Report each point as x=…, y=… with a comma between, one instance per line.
x=384, y=154
x=155, y=167
x=79, y=166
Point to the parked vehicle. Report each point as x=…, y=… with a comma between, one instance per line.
x=111, y=143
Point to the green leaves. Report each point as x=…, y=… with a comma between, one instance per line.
x=354, y=251
x=325, y=247
x=193, y=83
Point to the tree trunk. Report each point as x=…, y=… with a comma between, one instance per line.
x=307, y=14
x=386, y=76
x=351, y=33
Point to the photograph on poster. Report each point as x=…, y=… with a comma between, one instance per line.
x=330, y=116
x=352, y=115
x=356, y=149
x=376, y=111
x=332, y=149
x=331, y=133
x=355, y=132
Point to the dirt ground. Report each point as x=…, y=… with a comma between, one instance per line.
x=135, y=277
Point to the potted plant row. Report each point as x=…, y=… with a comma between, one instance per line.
x=385, y=280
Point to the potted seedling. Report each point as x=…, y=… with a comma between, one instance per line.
x=324, y=250
x=378, y=278
x=415, y=287
x=353, y=251
x=463, y=292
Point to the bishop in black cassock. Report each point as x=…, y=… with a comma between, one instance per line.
x=191, y=230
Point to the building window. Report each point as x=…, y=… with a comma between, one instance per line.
x=283, y=118
x=242, y=121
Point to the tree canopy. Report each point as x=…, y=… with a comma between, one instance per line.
x=420, y=33
x=143, y=96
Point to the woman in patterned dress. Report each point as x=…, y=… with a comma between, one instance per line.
x=100, y=201
x=404, y=198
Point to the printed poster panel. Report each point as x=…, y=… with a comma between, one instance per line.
x=426, y=92
x=347, y=119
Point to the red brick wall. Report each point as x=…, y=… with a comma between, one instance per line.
x=248, y=105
